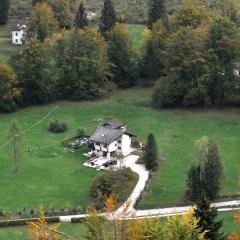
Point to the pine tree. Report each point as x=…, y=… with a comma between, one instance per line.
x=207, y=220
x=157, y=10
x=4, y=7
x=108, y=18
x=81, y=17
x=151, y=153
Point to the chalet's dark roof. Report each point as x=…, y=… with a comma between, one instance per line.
x=113, y=123
x=16, y=25
x=106, y=135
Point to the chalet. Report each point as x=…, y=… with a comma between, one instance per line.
x=18, y=28
x=111, y=139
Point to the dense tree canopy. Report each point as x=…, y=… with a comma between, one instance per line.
x=35, y=72
x=62, y=13
x=9, y=89
x=41, y=22
x=123, y=56
x=82, y=62
x=157, y=10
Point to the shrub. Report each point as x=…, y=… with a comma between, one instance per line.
x=120, y=182
x=57, y=127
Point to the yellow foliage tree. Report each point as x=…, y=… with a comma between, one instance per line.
x=182, y=227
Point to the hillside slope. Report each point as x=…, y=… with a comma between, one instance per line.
x=130, y=10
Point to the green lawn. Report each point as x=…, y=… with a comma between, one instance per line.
x=22, y=233
x=62, y=180
x=77, y=230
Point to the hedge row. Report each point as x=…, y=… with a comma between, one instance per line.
x=20, y=222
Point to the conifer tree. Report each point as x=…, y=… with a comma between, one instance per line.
x=4, y=7
x=194, y=185
x=207, y=220
x=81, y=17
x=108, y=18
x=151, y=153
x=157, y=10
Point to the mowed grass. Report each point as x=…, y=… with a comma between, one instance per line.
x=77, y=231
x=62, y=180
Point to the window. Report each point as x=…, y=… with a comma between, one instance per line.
x=105, y=146
x=16, y=34
x=119, y=141
x=16, y=40
x=119, y=148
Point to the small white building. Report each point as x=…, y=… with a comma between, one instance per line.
x=111, y=139
x=18, y=28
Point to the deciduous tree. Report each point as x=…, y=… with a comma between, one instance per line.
x=36, y=73
x=83, y=65
x=41, y=22
x=9, y=89
x=206, y=175
x=123, y=56
x=62, y=13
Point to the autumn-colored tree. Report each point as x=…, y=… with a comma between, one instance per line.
x=9, y=89
x=62, y=12
x=186, y=70
x=191, y=13
x=229, y=9
x=183, y=227
x=41, y=22
x=40, y=230
x=82, y=61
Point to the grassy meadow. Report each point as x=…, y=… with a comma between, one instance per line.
x=53, y=177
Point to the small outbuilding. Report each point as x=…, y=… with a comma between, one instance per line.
x=111, y=139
